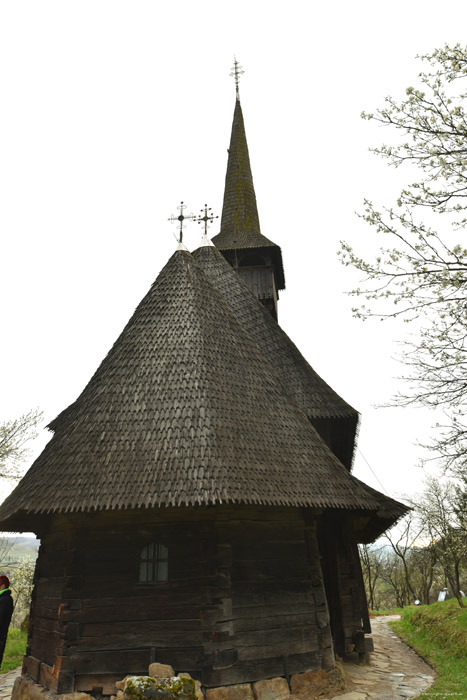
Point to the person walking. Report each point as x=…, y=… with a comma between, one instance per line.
x=6, y=611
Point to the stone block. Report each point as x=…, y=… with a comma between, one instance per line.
x=242, y=691
x=160, y=671
x=336, y=679
x=309, y=682
x=148, y=688
x=25, y=689
x=21, y=688
x=272, y=689
x=37, y=691
x=120, y=685
x=199, y=695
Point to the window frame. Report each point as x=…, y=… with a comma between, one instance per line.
x=154, y=556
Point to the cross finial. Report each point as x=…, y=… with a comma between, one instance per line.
x=181, y=218
x=237, y=71
x=207, y=218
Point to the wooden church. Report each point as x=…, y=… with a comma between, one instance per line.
x=196, y=505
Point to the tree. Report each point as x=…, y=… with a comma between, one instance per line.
x=403, y=546
x=371, y=559
x=425, y=572
x=421, y=274
x=7, y=544
x=394, y=576
x=443, y=524
x=14, y=436
x=416, y=553
x=22, y=581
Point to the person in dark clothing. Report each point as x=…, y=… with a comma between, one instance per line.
x=6, y=611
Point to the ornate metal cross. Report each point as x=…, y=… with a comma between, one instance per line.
x=237, y=71
x=181, y=218
x=207, y=218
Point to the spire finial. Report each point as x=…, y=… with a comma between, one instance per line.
x=207, y=218
x=237, y=71
x=181, y=218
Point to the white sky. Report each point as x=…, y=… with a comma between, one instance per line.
x=112, y=112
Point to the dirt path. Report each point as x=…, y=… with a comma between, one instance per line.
x=395, y=672
x=6, y=682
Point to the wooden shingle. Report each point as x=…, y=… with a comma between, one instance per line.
x=311, y=393
x=184, y=410
x=240, y=228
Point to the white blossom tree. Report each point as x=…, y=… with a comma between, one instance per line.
x=14, y=436
x=421, y=269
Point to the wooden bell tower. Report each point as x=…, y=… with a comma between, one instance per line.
x=256, y=258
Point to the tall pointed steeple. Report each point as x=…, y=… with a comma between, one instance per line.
x=256, y=258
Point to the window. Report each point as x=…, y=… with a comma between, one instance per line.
x=154, y=563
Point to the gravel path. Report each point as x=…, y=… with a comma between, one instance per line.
x=395, y=672
x=6, y=682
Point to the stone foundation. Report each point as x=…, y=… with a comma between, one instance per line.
x=303, y=686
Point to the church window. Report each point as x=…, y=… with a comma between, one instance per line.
x=154, y=563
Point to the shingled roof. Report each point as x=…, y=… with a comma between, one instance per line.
x=240, y=227
x=184, y=410
x=311, y=393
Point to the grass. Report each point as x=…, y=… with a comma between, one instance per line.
x=438, y=632
x=14, y=650
x=390, y=611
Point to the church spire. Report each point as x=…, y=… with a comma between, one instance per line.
x=240, y=221
x=240, y=239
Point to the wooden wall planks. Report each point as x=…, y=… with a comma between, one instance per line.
x=245, y=592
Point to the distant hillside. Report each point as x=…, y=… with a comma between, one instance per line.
x=14, y=548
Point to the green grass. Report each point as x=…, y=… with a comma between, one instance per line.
x=438, y=632
x=391, y=611
x=14, y=650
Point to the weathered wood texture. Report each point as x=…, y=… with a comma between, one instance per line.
x=343, y=580
x=260, y=280
x=45, y=639
x=244, y=599
x=271, y=611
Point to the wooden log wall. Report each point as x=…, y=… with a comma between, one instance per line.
x=47, y=626
x=244, y=600
x=271, y=614
x=343, y=578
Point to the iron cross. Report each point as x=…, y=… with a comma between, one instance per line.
x=181, y=218
x=207, y=218
x=237, y=71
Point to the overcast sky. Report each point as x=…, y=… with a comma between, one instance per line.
x=113, y=112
